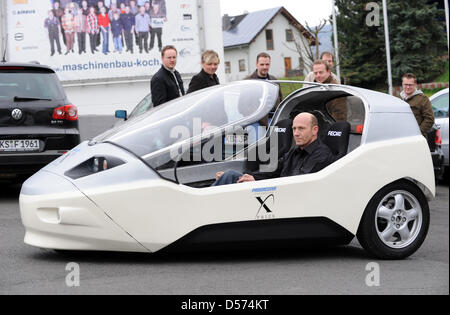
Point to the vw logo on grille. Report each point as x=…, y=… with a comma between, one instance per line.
x=16, y=114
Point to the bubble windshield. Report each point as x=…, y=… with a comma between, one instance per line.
x=196, y=114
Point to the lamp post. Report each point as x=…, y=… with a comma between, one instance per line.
x=336, y=44
x=388, y=47
x=446, y=20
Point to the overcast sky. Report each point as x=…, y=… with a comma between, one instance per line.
x=311, y=11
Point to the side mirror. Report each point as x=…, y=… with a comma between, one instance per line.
x=122, y=114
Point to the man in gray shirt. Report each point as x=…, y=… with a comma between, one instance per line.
x=142, y=28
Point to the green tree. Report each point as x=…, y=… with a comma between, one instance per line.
x=417, y=39
x=361, y=48
x=416, y=36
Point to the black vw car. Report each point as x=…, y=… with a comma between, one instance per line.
x=37, y=121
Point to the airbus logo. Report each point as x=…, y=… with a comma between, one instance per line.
x=335, y=133
x=22, y=12
x=17, y=114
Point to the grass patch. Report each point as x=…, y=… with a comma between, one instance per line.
x=288, y=88
x=444, y=76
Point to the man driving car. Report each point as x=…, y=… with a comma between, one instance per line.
x=308, y=156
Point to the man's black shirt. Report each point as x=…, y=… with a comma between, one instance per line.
x=312, y=159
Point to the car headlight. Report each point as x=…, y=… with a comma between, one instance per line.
x=94, y=165
x=99, y=164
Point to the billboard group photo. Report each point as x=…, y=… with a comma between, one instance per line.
x=87, y=39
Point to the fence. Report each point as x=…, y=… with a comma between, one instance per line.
x=427, y=86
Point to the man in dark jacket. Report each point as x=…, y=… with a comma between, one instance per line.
x=53, y=25
x=262, y=73
x=419, y=102
x=207, y=77
x=167, y=84
x=128, y=21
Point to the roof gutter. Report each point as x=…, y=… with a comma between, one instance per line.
x=237, y=46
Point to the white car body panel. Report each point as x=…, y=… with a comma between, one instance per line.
x=71, y=221
x=131, y=208
x=168, y=211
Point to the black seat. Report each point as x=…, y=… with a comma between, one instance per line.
x=283, y=130
x=337, y=138
x=280, y=141
x=431, y=137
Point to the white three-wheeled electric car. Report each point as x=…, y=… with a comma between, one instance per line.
x=144, y=186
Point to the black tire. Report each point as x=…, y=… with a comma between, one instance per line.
x=371, y=233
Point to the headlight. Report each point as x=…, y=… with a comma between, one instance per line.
x=99, y=164
x=94, y=165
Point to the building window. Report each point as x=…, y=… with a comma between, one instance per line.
x=242, y=65
x=227, y=67
x=289, y=35
x=269, y=40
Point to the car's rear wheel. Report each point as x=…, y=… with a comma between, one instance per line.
x=395, y=222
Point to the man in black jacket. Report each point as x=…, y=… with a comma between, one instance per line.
x=309, y=156
x=167, y=84
x=262, y=73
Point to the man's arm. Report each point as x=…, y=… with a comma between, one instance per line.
x=159, y=93
x=246, y=178
x=310, y=77
x=195, y=84
x=428, y=116
x=317, y=161
x=274, y=174
x=336, y=78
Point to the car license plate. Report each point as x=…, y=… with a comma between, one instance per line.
x=19, y=145
x=234, y=139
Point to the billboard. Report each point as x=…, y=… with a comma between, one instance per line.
x=84, y=40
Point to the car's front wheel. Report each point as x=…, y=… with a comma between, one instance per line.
x=395, y=222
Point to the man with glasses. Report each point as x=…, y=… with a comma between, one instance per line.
x=419, y=102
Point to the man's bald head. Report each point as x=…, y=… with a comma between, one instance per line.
x=305, y=128
x=308, y=116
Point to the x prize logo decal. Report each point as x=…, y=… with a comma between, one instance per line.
x=265, y=198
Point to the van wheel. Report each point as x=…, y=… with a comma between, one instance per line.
x=395, y=222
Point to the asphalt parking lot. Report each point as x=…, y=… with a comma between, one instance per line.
x=342, y=270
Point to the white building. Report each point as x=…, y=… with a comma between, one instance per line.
x=274, y=31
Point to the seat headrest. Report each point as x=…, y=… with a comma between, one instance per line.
x=337, y=138
x=283, y=129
